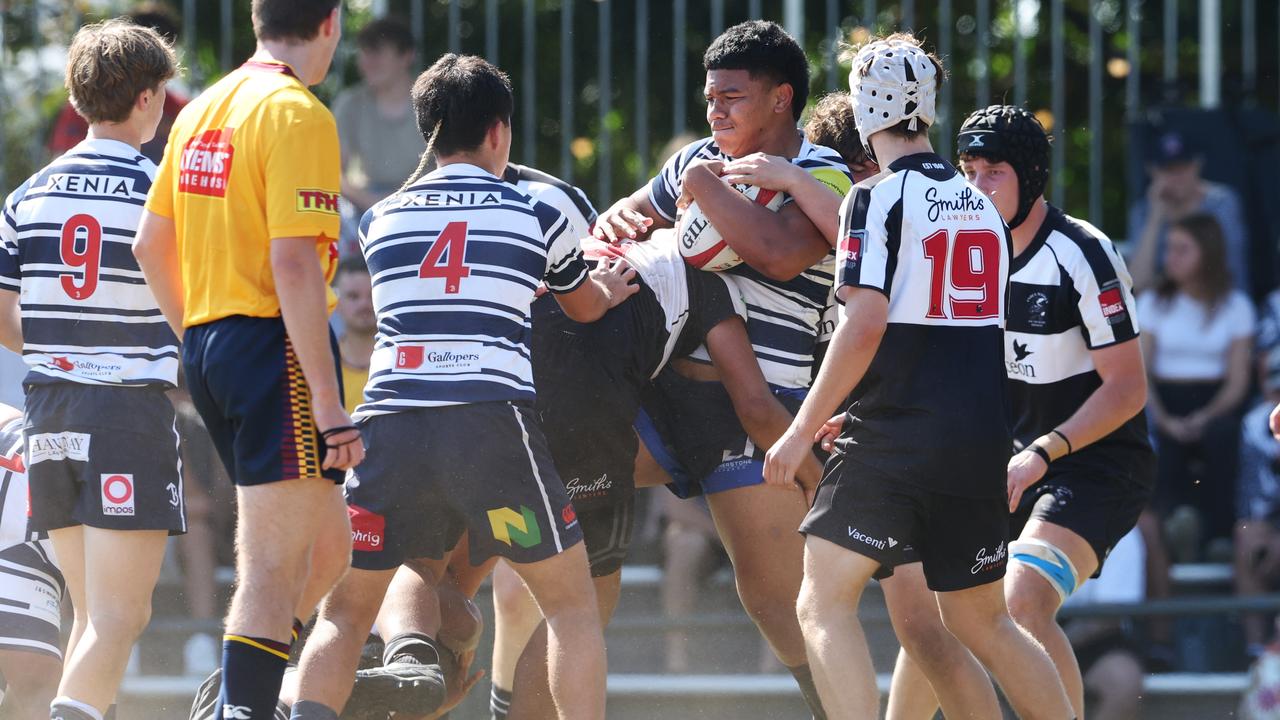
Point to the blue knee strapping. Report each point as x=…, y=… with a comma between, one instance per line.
x=1050, y=562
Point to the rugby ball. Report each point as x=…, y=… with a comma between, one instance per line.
x=702, y=245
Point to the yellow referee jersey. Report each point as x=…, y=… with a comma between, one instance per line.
x=252, y=158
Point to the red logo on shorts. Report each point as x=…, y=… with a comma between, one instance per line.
x=409, y=357
x=568, y=515
x=117, y=495
x=368, y=529
x=205, y=165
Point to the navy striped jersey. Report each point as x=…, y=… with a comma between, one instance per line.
x=1070, y=293
x=67, y=240
x=13, y=488
x=455, y=261
x=782, y=316
x=557, y=193
x=931, y=408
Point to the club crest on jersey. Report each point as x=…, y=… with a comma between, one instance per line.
x=1037, y=310
x=1111, y=300
x=519, y=528
x=321, y=201
x=205, y=164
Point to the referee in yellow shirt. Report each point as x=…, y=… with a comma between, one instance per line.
x=238, y=244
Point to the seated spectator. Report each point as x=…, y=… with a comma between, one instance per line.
x=1108, y=652
x=1257, y=536
x=1198, y=339
x=359, y=327
x=1177, y=191
x=378, y=132
x=69, y=128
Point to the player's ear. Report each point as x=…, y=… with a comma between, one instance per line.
x=333, y=23
x=783, y=93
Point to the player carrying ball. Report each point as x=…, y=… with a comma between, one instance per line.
x=919, y=467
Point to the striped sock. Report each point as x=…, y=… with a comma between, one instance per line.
x=499, y=703
x=252, y=669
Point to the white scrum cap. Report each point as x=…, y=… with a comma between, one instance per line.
x=892, y=81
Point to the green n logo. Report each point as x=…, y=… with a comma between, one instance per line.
x=521, y=528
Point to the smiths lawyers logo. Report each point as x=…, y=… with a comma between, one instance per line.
x=368, y=529
x=117, y=495
x=205, y=164
x=515, y=528
x=989, y=561
x=321, y=201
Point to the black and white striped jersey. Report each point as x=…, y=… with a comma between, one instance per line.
x=455, y=261
x=1070, y=293
x=931, y=408
x=66, y=246
x=13, y=488
x=782, y=316
x=547, y=188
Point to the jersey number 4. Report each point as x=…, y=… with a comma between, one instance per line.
x=453, y=241
x=975, y=271
x=72, y=256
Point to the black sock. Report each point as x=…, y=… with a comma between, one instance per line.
x=499, y=702
x=413, y=648
x=65, y=708
x=804, y=678
x=252, y=669
x=308, y=710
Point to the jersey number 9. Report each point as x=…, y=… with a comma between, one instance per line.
x=90, y=258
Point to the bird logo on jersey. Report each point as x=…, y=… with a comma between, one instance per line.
x=1020, y=350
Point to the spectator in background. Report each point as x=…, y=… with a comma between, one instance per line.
x=69, y=128
x=1257, y=533
x=359, y=327
x=1177, y=191
x=377, y=130
x=1198, y=338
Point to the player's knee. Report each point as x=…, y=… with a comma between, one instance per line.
x=32, y=684
x=1045, y=577
x=815, y=602
x=766, y=603
x=120, y=622
x=510, y=597
x=930, y=643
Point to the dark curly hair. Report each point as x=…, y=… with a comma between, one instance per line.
x=831, y=124
x=1008, y=133
x=763, y=49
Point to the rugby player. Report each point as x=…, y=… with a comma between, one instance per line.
x=919, y=467
x=456, y=258
x=238, y=243
x=31, y=590
x=756, y=87
x=1084, y=467
x=102, y=445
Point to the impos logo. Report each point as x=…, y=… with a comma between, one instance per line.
x=117, y=495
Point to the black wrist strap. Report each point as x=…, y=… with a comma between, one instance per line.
x=1044, y=455
x=1065, y=439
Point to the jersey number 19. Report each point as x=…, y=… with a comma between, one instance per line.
x=974, y=269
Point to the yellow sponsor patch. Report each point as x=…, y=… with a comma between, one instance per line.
x=832, y=178
x=321, y=201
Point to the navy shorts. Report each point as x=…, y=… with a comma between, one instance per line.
x=102, y=456
x=247, y=384
x=434, y=473
x=962, y=541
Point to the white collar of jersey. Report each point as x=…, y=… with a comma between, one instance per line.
x=106, y=146
x=463, y=169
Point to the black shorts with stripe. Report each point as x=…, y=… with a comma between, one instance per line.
x=103, y=456
x=31, y=592
x=434, y=473
x=247, y=383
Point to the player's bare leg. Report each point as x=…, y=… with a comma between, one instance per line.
x=68, y=545
x=120, y=569
x=32, y=680
x=932, y=664
x=1034, y=603
x=758, y=527
x=576, y=664
x=515, y=617
x=834, y=579
x=288, y=553
x=979, y=618
x=531, y=696
x=332, y=652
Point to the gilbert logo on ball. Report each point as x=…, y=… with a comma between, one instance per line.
x=701, y=243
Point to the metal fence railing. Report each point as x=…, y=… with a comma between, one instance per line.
x=602, y=83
